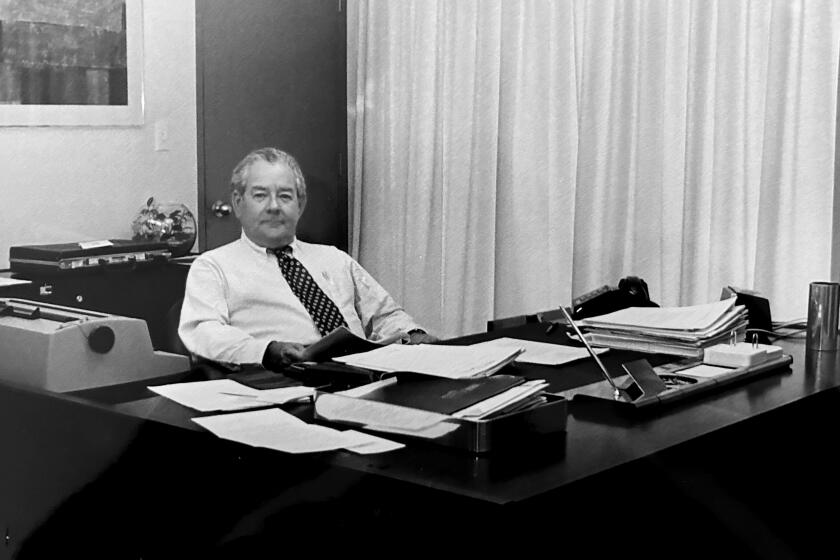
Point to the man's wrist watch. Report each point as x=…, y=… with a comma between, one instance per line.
x=406, y=339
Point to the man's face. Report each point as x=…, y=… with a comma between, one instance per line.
x=269, y=208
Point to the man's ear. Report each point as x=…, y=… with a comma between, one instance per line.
x=236, y=201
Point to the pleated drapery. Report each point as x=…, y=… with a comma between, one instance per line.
x=507, y=155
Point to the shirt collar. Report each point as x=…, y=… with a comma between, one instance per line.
x=263, y=250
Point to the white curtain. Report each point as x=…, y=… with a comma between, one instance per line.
x=509, y=154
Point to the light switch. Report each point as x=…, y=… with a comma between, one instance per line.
x=161, y=135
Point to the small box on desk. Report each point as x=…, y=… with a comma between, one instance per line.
x=506, y=431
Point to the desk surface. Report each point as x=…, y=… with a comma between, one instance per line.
x=142, y=455
x=600, y=435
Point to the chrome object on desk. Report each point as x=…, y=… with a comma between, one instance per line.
x=823, y=310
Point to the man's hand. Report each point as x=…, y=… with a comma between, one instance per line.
x=280, y=355
x=420, y=337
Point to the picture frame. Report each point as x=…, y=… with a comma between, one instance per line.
x=128, y=109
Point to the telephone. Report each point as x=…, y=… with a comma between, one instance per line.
x=632, y=291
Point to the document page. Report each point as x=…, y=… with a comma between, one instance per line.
x=227, y=394
x=5, y=281
x=342, y=340
x=366, y=444
x=373, y=413
x=275, y=429
x=704, y=370
x=363, y=390
x=543, y=353
x=503, y=400
x=454, y=362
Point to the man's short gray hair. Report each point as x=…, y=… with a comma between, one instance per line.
x=271, y=155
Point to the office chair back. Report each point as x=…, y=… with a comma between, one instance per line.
x=515, y=321
x=173, y=318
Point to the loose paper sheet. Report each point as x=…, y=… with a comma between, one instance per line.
x=276, y=429
x=703, y=370
x=12, y=281
x=543, y=353
x=227, y=394
x=453, y=362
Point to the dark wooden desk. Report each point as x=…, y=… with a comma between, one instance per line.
x=743, y=470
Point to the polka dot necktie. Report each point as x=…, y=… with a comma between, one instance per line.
x=320, y=307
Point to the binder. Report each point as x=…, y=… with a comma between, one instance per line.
x=439, y=394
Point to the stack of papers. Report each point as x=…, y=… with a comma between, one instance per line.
x=682, y=331
x=453, y=362
x=527, y=395
x=387, y=405
x=350, y=407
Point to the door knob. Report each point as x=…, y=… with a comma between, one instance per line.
x=221, y=209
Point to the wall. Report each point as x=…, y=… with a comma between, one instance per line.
x=64, y=184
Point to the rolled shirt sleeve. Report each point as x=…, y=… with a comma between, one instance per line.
x=380, y=315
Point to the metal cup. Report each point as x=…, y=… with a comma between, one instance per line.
x=823, y=312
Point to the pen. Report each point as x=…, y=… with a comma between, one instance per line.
x=258, y=397
x=616, y=390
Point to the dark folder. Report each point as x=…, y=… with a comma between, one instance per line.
x=341, y=342
x=439, y=394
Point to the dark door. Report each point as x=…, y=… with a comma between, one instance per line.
x=272, y=73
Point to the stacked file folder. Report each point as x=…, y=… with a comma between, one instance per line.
x=470, y=398
x=454, y=362
x=529, y=394
x=681, y=331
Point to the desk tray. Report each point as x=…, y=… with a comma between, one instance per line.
x=478, y=436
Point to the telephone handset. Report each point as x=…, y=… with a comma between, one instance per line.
x=631, y=292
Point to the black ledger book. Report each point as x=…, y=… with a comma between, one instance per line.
x=440, y=394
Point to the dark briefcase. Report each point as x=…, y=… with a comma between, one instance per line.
x=63, y=258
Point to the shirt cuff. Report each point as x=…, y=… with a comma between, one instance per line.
x=253, y=353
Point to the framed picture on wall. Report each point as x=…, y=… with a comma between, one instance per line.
x=71, y=63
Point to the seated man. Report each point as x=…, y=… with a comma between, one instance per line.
x=262, y=298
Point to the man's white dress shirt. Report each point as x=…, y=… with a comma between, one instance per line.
x=237, y=301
